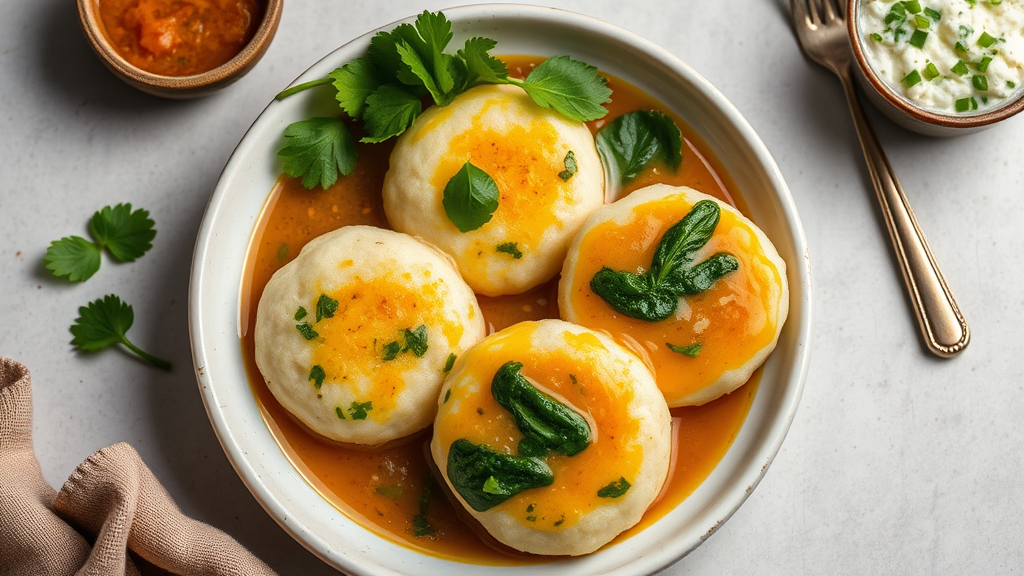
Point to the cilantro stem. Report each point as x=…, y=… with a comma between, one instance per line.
x=159, y=363
x=304, y=86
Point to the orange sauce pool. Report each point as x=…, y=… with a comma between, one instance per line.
x=391, y=490
x=179, y=37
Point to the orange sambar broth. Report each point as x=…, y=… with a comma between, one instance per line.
x=381, y=489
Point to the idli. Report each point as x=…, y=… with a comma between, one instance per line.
x=355, y=335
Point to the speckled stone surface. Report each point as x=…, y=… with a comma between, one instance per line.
x=897, y=462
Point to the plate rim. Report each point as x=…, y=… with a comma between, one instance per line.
x=779, y=427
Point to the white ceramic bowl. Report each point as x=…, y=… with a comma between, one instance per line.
x=248, y=178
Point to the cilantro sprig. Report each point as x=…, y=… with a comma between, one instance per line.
x=105, y=322
x=126, y=235
x=385, y=90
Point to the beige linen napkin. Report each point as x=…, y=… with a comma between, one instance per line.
x=112, y=498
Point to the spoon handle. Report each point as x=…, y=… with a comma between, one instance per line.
x=943, y=326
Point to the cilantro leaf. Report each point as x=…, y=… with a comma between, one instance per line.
x=317, y=375
x=126, y=234
x=358, y=411
x=481, y=67
x=384, y=53
x=325, y=307
x=570, y=87
x=511, y=248
x=615, y=489
x=74, y=257
x=436, y=32
x=389, y=112
x=570, y=167
x=355, y=82
x=317, y=150
x=391, y=350
x=630, y=143
x=418, y=66
x=416, y=340
x=105, y=322
x=470, y=198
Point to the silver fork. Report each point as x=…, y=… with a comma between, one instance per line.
x=822, y=33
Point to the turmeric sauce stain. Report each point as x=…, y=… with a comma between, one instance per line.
x=524, y=163
x=179, y=37
x=733, y=320
x=380, y=489
x=371, y=314
x=614, y=452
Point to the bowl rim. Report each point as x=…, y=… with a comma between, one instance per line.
x=903, y=105
x=758, y=457
x=238, y=65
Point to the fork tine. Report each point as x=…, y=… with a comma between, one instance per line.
x=830, y=14
x=815, y=18
x=799, y=10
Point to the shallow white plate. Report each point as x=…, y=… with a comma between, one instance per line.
x=248, y=178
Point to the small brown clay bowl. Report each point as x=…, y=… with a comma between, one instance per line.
x=179, y=87
x=906, y=113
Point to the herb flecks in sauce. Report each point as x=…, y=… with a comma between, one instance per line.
x=654, y=295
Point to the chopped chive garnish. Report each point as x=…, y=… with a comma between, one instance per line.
x=980, y=82
x=918, y=38
x=983, y=65
x=911, y=79
x=922, y=21
x=912, y=6
x=960, y=48
x=960, y=69
x=986, y=40
x=974, y=104
x=984, y=99
x=963, y=105
x=995, y=2
x=931, y=72
x=899, y=9
x=933, y=14
x=1011, y=84
x=876, y=37
x=965, y=32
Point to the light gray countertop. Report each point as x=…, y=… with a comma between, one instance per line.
x=897, y=462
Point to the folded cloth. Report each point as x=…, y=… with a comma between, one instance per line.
x=112, y=499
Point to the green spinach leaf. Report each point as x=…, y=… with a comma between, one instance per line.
x=546, y=423
x=470, y=198
x=471, y=467
x=630, y=143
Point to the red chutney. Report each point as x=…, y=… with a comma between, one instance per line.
x=179, y=37
x=382, y=489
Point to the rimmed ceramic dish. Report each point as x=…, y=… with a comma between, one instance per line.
x=179, y=87
x=904, y=112
x=214, y=316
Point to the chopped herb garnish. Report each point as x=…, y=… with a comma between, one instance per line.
x=416, y=340
x=531, y=518
x=933, y=14
x=965, y=104
x=306, y=330
x=983, y=65
x=911, y=79
x=531, y=507
x=876, y=37
x=960, y=69
x=337, y=410
x=922, y=22
x=282, y=252
x=105, y=322
x=126, y=235
x=300, y=313
x=960, y=48
x=449, y=363
x=986, y=40
x=980, y=82
x=325, y=307
x=918, y=38
x=560, y=521
x=1011, y=84
x=691, y=351
x=931, y=72
x=470, y=198
x=317, y=375
x=614, y=490
x=391, y=492
x=447, y=395
x=420, y=524
x=570, y=167
x=391, y=350
x=510, y=248
x=358, y=411
x=912, y=6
